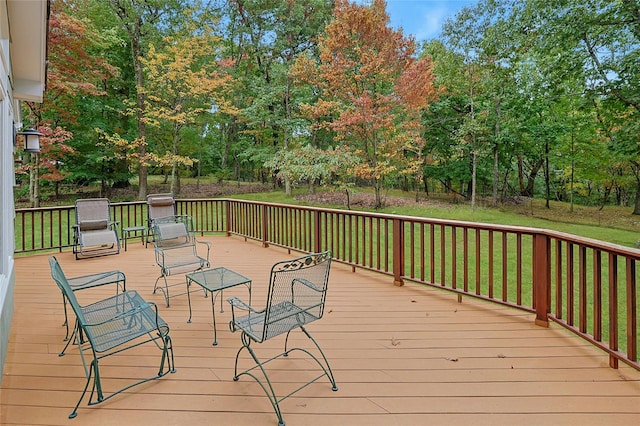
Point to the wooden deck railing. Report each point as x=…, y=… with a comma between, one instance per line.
x=587, y=286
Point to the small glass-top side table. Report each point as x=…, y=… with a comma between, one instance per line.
x=128, y=230
x=215, y=281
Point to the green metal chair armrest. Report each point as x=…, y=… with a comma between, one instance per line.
x=238, y=303
x=305, y=282
x=133, y=311
x=98, y=279
x=235, y=302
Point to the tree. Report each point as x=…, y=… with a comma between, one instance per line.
x=598, y=43
x=183, y=82
x=333, y=166
x=73, y=72
x=371, y=83
x=264, y=37
x=142, y=22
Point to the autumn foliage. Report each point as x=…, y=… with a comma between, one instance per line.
x=372, y=91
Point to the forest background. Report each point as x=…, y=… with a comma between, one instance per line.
x=517, y=100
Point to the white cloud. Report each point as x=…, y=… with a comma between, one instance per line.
x=421, y=18
x=429, y=24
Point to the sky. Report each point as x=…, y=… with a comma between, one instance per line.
x=423, y=18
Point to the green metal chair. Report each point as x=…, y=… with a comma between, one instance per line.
x=296, y=297
x=176, y=250
x=111, y=326
x=94, y=233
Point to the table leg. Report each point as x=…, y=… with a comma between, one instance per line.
x=189, y=298
x=213, y=313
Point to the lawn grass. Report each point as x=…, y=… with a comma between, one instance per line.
x=612, y=224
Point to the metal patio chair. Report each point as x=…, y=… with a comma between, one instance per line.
x=296, y=297
x=94, y=233
x=111, y=326
x=176, y=250
x=158, y=205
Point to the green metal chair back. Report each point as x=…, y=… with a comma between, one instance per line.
x=61, y=280
x=300, y=284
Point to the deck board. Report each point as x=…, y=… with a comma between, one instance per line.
x=401, y=356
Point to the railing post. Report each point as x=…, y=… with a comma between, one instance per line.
x=227, y=215
x=317, y=244
x=265, y=227
x=542, y=278
x=398, y=252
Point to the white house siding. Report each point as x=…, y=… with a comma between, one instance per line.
x=23, y=28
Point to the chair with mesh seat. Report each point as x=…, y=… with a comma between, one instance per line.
x=94, y=233
x=176, y=250
x=111, y=326
x=296, y=298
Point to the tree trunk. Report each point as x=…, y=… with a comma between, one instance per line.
x=636, y=206
x=474, y=161
x=573, y=168
x=636, y=172
x=174, y=166
x=142, y=126
x=132, y=21
x=521, y=175
x=378, y=191
x=526, y=189
x=547, y=178
x=496, y=170
x=287, y=186
x=34, y=181
x=496, y=175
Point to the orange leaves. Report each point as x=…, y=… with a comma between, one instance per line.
x=415, y=86
x=73, y=70
x=368, y=69
x=371, y=90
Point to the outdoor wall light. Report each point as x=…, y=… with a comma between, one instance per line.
x=31, y=140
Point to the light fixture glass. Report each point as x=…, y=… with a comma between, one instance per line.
x=31, y=140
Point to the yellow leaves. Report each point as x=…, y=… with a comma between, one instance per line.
x=169, y=159
x=122, y=148
x=415, y=86
x=184, y=78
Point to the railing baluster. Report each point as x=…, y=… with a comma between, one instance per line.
x=559, y=285
x=454, y=263
x=597, y=295
x=465, y=256
x=505, y=269
x=632, y=304
x=490, y=253
x=570, y=295
x=582, y=291
x=478, y=267
x=613, y=309
x=443, y=256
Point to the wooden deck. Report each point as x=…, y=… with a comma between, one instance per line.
x=401, y=356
